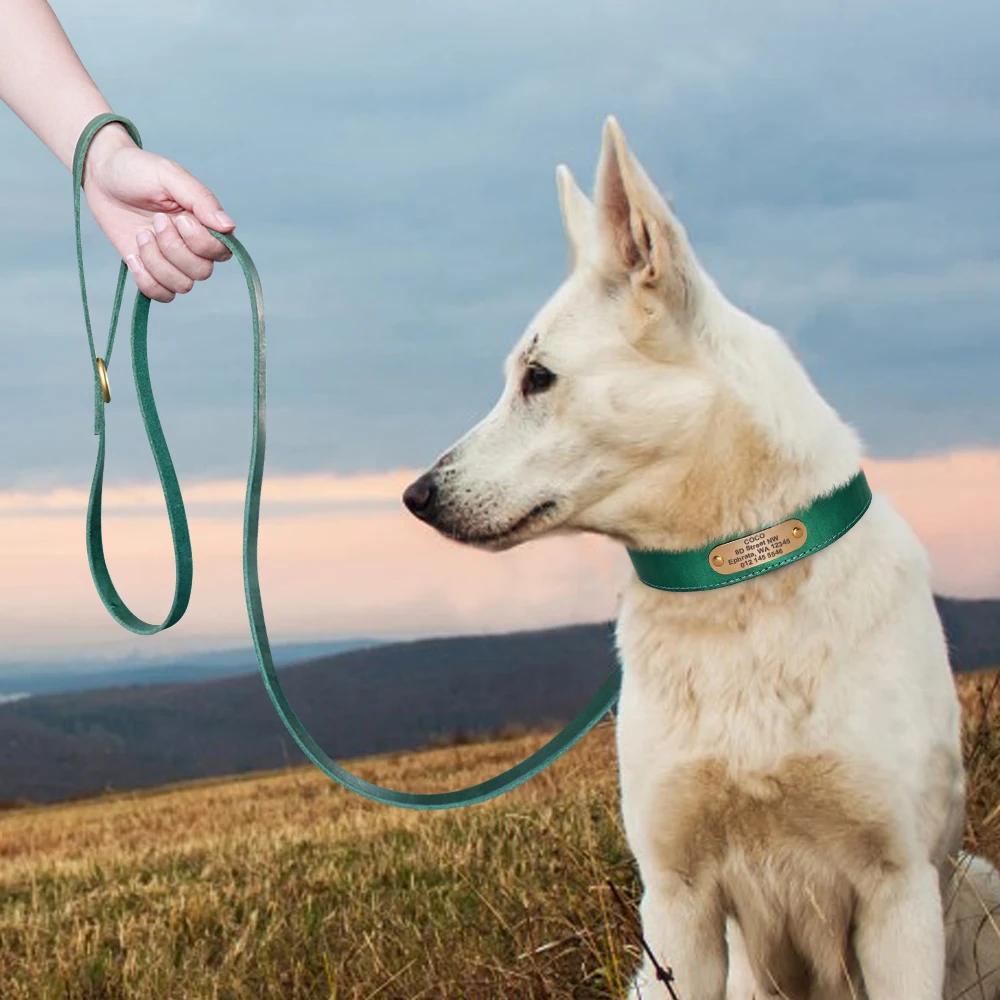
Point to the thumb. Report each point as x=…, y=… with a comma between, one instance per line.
x=191, y=194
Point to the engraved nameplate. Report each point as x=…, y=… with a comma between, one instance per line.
x=759, y=548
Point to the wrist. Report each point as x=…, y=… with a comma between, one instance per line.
x=108, y=140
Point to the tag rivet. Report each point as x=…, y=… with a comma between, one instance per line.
x=717, y=560
x=796, y=531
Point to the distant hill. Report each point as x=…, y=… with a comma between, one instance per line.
x=396, y=696
x=973, y=631
x=391, y=697
x=47, y=677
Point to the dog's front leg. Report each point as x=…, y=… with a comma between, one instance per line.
x=900, y=936
x=686, y=930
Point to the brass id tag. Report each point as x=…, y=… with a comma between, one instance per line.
x=759, y=548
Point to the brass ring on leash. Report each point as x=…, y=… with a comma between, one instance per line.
x=102, y=374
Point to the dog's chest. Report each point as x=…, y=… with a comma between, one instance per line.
x=728, y=725
x=748, y=684
x=758, y=725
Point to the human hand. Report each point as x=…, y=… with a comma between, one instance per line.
x=154, y=213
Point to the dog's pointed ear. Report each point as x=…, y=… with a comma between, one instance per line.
x=577, y=214
x=640, y=239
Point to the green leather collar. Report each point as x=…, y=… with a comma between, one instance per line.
x=735, y=558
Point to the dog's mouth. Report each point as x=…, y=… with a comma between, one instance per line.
x=498, y=539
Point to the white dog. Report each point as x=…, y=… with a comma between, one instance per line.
x=789, y=746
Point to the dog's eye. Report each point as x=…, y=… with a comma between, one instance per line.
x=536, y=378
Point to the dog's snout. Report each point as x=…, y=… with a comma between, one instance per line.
x=419, y=496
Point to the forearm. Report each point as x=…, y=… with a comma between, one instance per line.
x=44, y=83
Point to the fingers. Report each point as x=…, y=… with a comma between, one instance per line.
x=174, y=256
x=177, y=252
x=196, y=237
x=148, y=285
x=164, y=276
x=205, y=208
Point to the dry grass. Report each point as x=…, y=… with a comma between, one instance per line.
x=979, y=695
x=285, y=886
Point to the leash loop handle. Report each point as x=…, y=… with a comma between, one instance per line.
x=593, y=712
x=183, y=565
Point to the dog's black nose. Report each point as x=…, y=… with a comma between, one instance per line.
x=419, y=496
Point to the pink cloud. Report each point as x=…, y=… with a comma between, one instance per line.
x=377, y=571
x=951, y=502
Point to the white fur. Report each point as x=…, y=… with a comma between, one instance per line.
x=677, y=418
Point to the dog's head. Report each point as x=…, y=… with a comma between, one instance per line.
x=604, y=386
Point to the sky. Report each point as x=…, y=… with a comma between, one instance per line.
x=391, y=170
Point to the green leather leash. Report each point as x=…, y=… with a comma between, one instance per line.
x=822, y=522
x=596, y=708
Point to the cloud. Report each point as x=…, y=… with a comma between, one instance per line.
x=339, y=557
x=369, y=571
x=950, y=502
x=391, y=172
x=294, y=491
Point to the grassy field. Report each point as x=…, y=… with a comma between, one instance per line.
x=285, y=886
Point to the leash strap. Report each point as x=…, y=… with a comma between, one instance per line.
x=596, y=708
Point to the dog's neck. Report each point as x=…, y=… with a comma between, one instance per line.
x=762, y=454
